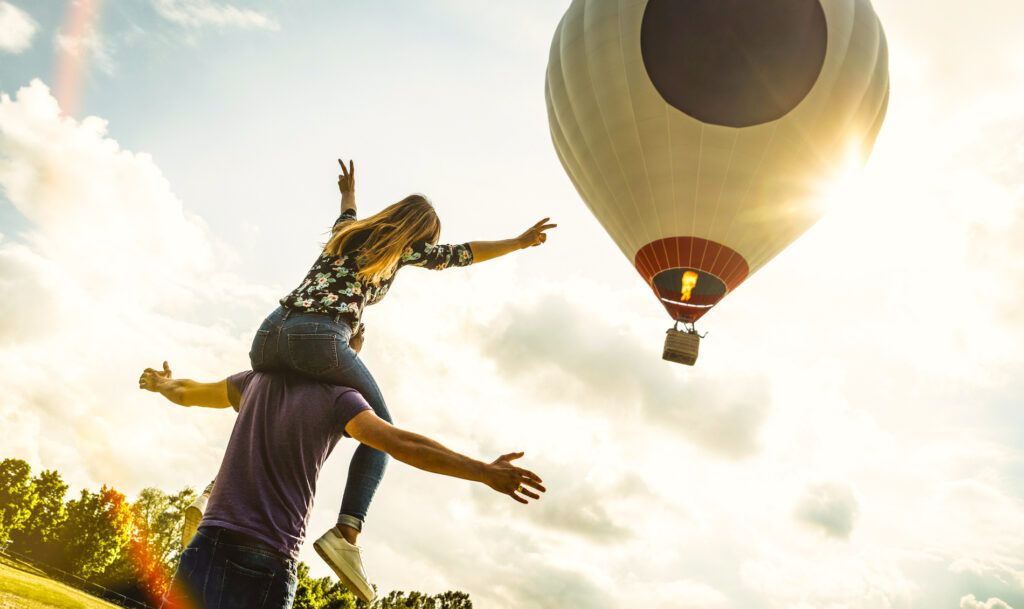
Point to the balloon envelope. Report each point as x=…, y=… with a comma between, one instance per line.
x=698, y=132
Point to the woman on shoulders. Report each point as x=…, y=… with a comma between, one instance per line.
x=318, y=328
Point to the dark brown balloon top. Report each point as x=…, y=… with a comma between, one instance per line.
x=735, y=63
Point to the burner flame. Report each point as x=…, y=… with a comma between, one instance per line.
x=689, y=282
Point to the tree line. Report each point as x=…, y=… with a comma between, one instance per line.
x=131, y=548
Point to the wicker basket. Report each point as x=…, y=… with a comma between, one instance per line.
x=681, y=346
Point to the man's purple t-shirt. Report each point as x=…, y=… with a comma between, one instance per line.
x=287, y=426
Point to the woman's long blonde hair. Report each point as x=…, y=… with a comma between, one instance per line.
x=388, y=233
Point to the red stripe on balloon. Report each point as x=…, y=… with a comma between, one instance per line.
x=694, y=253
x=672, y=245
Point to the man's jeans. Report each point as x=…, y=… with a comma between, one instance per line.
x=222, y=569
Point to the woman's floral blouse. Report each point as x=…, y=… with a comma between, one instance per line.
x=332, y=285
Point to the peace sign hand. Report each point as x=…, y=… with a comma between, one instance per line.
x=347, y=179
x=535, y=234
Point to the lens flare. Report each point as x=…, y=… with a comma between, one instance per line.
x=843, y=185
x=74, y=44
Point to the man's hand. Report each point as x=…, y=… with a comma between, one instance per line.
x=513, y=481
x=356, y=340
x=347, y=179
x=150, y=380
x=535, y=234
x=185, y=392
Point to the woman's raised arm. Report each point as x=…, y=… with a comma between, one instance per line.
x=486, y=250
x=347, y=186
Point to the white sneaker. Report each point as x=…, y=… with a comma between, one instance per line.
x=346, y=561
x=194, y=515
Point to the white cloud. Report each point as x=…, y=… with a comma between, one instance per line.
x=830, y=507
x=200, y=13
x=17, y=28
x=866, y=578
x=565, y=347
x=103, y=284
x=969, y=602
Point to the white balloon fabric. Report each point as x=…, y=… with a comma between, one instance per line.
x=698, y=132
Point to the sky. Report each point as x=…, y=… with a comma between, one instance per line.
x=850, y=438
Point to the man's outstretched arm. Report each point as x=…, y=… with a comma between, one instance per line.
x=428, y=455
x=185, y=392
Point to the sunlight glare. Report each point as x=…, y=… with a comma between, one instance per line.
x=844, y=185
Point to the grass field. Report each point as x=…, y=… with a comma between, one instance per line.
x=24, y=588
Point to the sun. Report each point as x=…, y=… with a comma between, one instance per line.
x=844, y=185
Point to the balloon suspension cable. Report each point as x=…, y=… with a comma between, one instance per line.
x=688, y=326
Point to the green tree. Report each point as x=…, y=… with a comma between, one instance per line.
x=453, y=600
x=137, y=572
x=419, y=600
x=17, y=496
x=328, y=593
x=322, y=593
x=96, y=532
x=162, y=516
x=144, y=567
x=38, y=537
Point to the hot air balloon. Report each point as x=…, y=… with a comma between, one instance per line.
x=698, y=132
